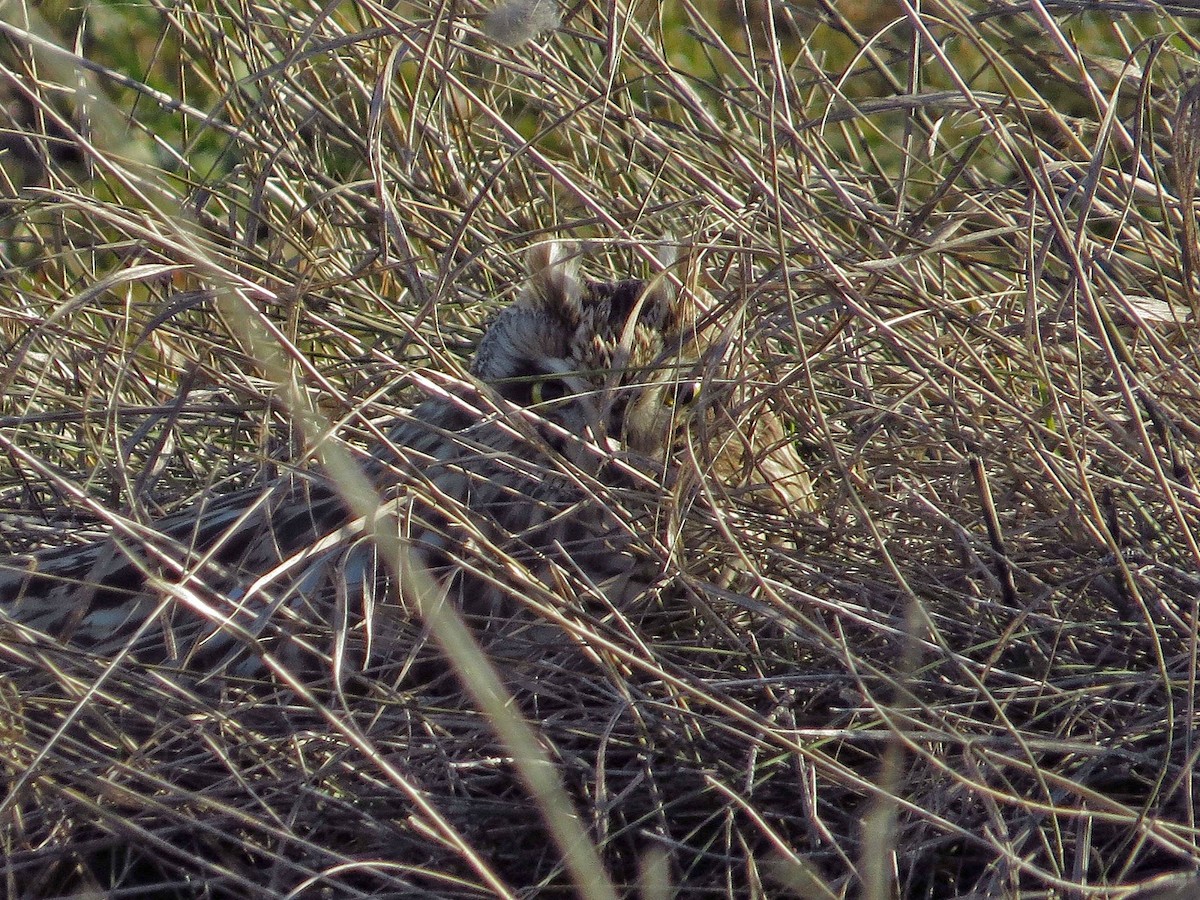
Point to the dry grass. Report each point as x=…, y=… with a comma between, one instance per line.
x=970, y=253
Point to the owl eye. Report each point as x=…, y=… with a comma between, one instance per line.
x=682, y=394
x=547, y=390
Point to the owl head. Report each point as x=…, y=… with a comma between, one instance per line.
x=608, y=361
x=627, y=366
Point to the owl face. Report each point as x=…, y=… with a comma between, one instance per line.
x=605, y=361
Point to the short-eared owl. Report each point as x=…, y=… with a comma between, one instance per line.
x=582, y=392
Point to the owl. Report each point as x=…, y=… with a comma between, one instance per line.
x=542, y=473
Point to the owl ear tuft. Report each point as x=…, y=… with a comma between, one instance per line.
x=554, y=279
x=678, y=307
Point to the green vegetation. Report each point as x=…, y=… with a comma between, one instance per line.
x=966, y=247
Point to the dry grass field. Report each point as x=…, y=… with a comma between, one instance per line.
x=962, y=240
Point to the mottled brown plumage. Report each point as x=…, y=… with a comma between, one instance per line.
x=579, y=388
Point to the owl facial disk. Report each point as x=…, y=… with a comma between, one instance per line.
x=588, y=356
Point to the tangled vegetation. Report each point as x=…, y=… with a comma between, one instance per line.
x=964, y=239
